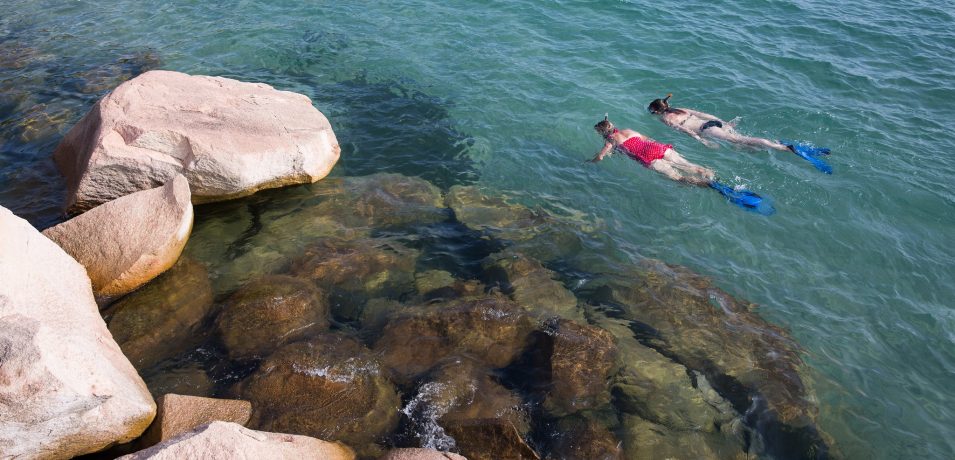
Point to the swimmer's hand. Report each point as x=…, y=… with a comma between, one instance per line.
x=710, y=144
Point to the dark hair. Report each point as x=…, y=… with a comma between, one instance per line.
x=661, y=105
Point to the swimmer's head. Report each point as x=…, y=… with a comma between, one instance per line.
x=604, y=127
x=659, y=106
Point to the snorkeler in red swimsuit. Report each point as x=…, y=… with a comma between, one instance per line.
x=652, y=154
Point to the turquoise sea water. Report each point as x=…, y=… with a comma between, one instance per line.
x=859, y=265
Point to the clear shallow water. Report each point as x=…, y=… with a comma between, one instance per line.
x=858, y=265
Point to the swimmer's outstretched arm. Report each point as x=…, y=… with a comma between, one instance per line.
x=608, y=147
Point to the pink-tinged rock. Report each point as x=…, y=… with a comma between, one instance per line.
x=420, y=454
x=65, y=387
x=229, y=138
x=127, y=242
x=178, y=414
x=231, y=441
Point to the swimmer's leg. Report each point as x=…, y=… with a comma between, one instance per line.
x=682, y=163
x=667, y=169
x=730, y=135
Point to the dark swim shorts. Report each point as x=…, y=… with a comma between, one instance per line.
x=710, y=124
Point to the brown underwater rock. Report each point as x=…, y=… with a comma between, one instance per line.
x=160, y=320
x=491, y=329
x=330, y=387
x=581, y=363
x=459, y=391
x=351, y=272
x=269, y=312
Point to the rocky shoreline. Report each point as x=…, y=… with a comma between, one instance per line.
x=373, y=313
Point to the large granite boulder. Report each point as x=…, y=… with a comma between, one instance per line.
x=229, y=138
x=127, y=242
x=330, y=387
x=231, y=440
x=65, y=387
x=162, y=319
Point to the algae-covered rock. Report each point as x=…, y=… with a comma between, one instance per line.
x=269, y=312
x=531, y=285
x=162, y=319
x=491, y=329
x=530, y=230
x=660, y=390
x=382, y=200
x=647, y=440
x=751, y=363
x=582, y=359
x=329, y=387
x=354, y=271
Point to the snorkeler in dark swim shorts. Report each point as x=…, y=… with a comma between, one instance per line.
x=697, y=124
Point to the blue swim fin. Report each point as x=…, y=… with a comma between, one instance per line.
x=744, y=199
x=810, y=154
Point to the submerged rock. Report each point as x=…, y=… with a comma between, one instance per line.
x=458, y=392
x=329, y=387
x=490, y=439
x=751, y=363
x=264, y=234
x=354, y=271
x=127, y=242
x=380, y=201
x=269, y=312
x=532, y=286
x=661, y=391
x=493, y=330
x=582, y=359
x=646, y=440
x=162, y=319
x=584, y=436
x=66, y=388
x=230, y=440
x=228, y=138
x=535, y=232
x=184, y=379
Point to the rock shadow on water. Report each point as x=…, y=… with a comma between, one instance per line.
x=390, y=127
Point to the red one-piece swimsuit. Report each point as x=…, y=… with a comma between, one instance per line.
x=644, y=150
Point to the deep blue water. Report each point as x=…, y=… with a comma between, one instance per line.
x=858, y=265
